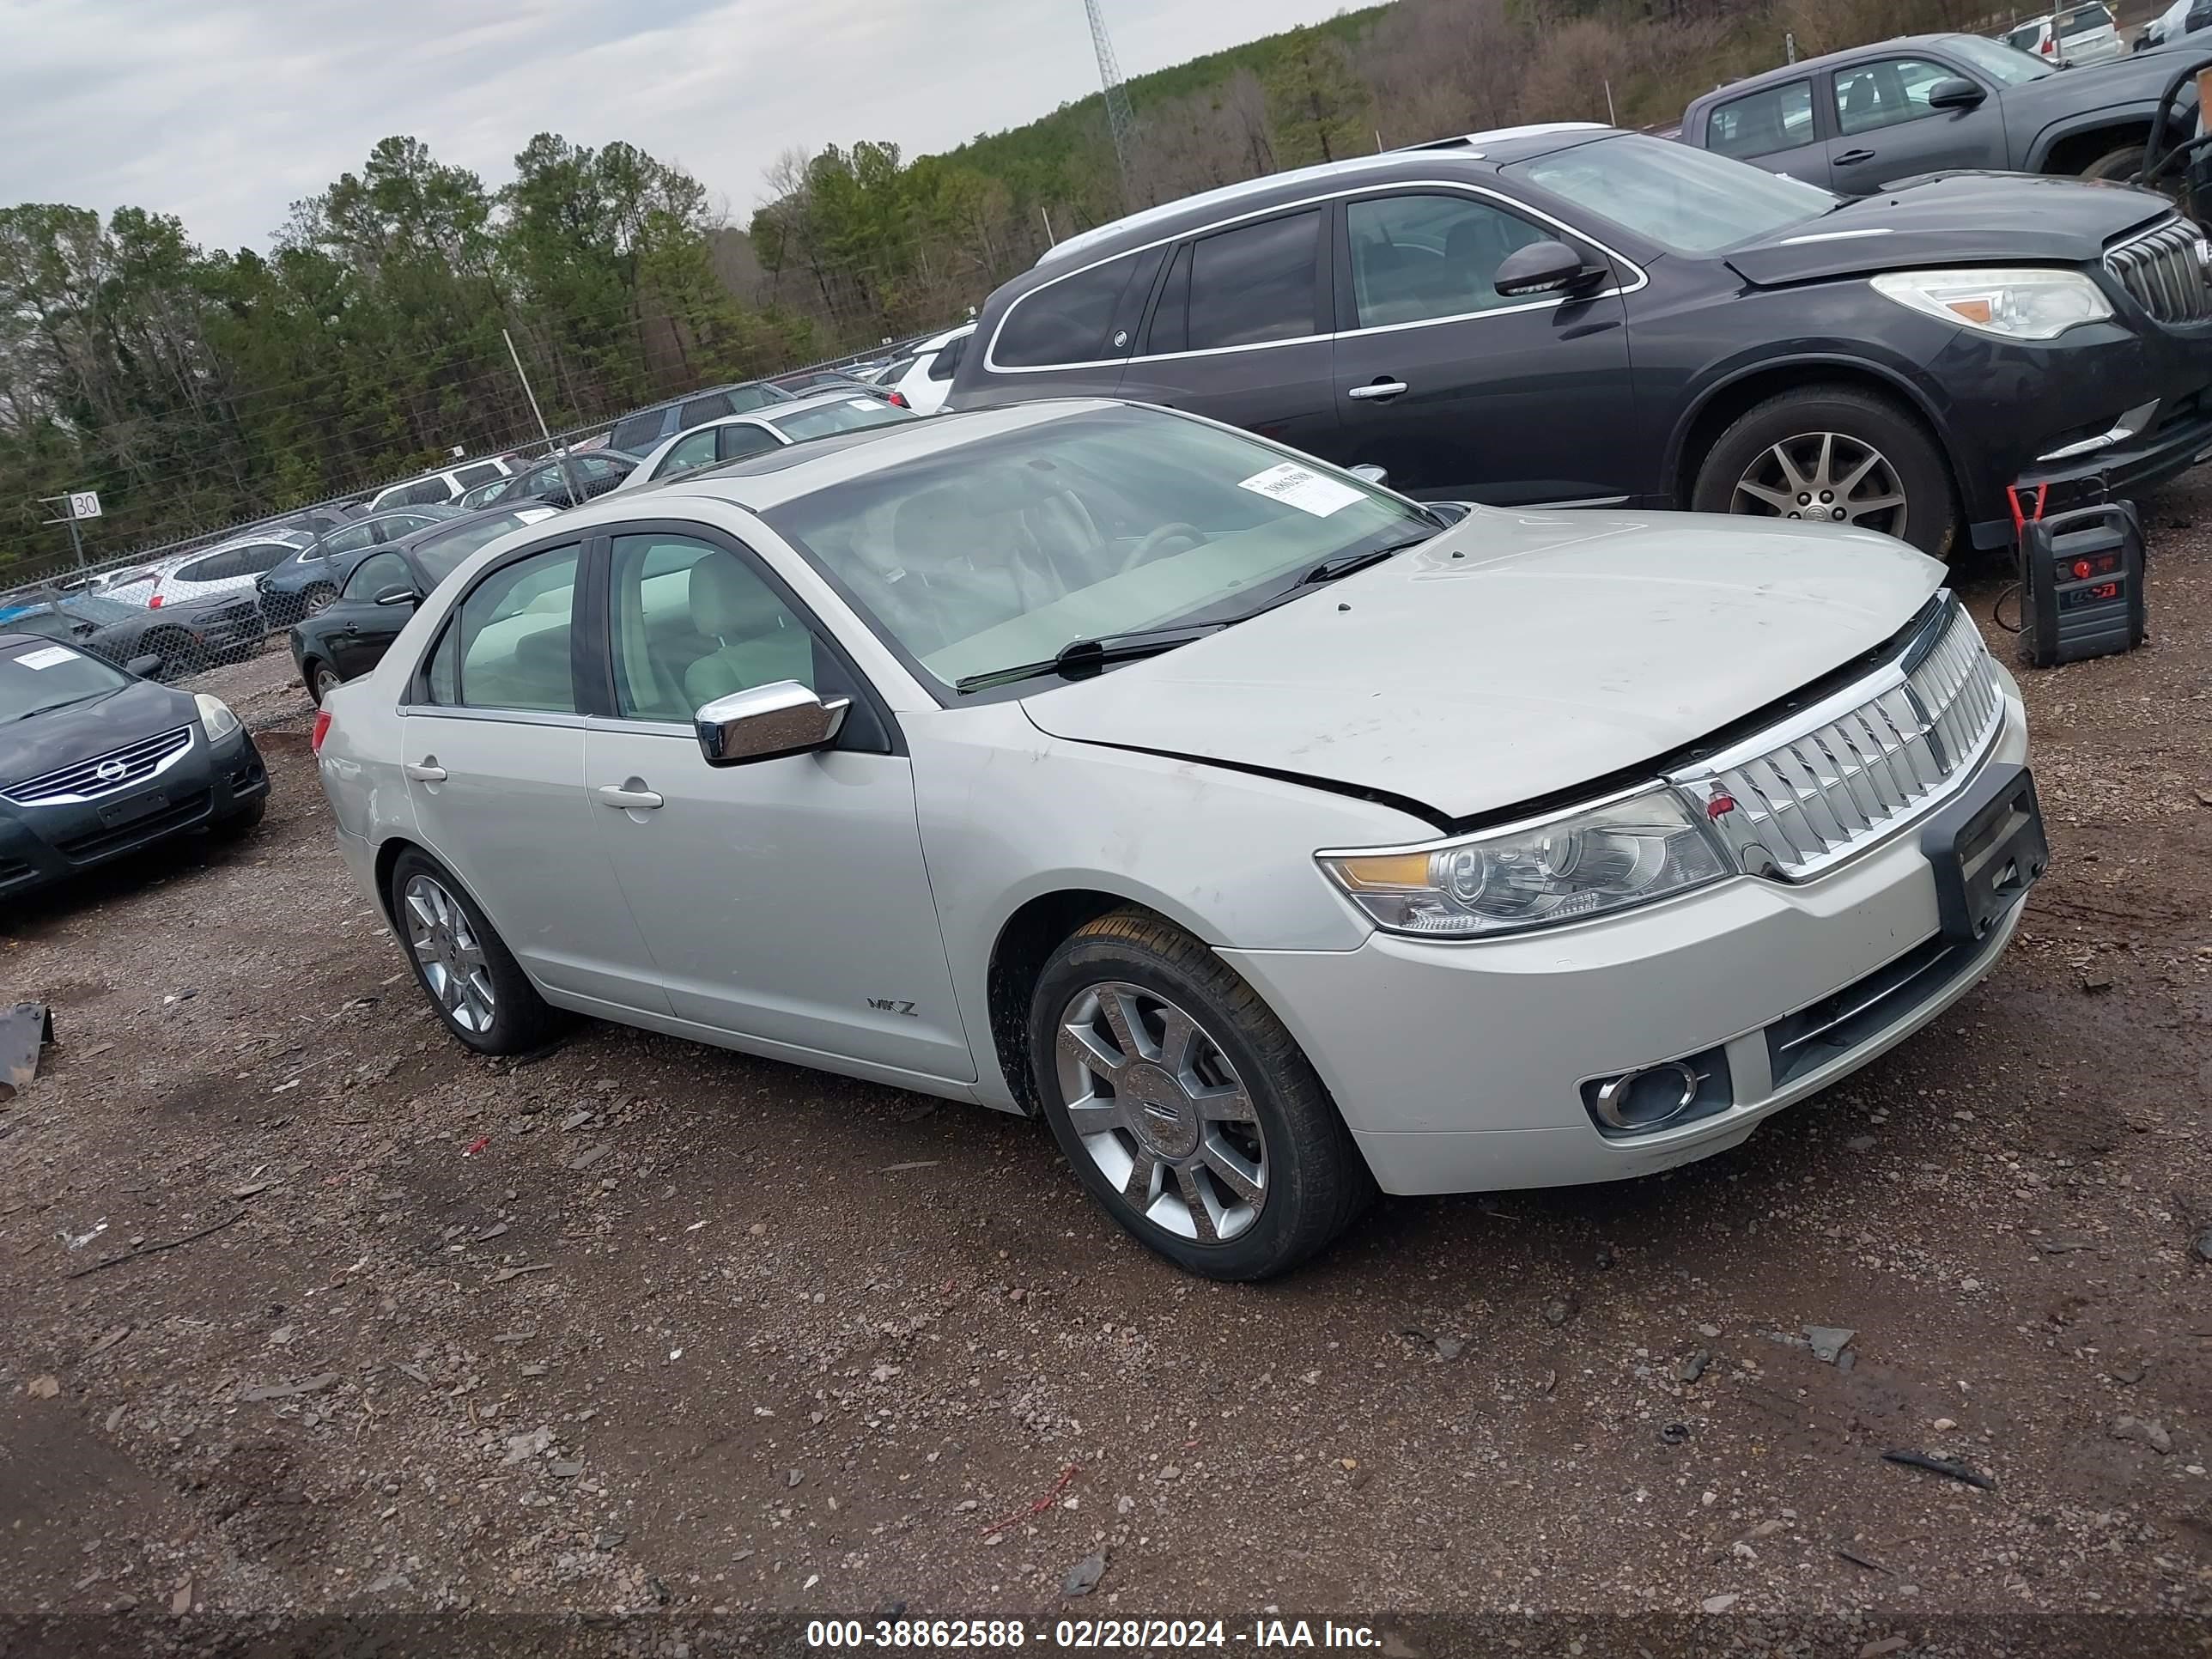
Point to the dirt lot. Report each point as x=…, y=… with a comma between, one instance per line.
x=647, y=1329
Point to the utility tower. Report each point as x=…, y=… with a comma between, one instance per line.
x=1119, y=121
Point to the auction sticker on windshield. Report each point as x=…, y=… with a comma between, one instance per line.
x=1302, y=488
x=52, y=656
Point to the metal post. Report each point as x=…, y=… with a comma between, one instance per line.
x=568, y=470
x=1610, y=120
x=1790, y=46
x=1045, y=213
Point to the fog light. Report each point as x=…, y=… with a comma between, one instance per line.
x=1661, y=1096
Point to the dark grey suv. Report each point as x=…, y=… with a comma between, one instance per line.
x=1576, y=315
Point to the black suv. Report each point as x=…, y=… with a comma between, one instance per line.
x=1576, y=315
x=1860, y=120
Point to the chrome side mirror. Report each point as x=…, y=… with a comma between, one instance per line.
x=396, y=596
x=781, y=718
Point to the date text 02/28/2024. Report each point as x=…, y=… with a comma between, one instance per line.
x=988, y=1635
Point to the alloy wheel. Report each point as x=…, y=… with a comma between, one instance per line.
x=1825, y=477
x=444, y=946
x=1162, y=1112
x=318, y=599
x=326, y=681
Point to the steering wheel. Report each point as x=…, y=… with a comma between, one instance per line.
x=1150, y=547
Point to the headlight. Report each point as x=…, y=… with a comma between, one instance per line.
x=216, y=717
x=1582, y=864
x=2025, y=304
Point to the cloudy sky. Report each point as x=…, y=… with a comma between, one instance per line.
x=224, y=112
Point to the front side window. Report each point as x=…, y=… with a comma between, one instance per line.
x=1999, y=62
x=1415, y=258
x=35, y=678
x=1068, y=321
x=743, y=399
x=694, y=622
x=1761, y=123
x=1869, y=96
x=428, y=493
x=219, y=566
x=999, y=552
x=378, y=574
x=692, y=450
x=512, y=639
x=1690, y=200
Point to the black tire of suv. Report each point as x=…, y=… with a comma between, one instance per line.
x=1931, y=512
x=1318, y=1183
x=521, y=1019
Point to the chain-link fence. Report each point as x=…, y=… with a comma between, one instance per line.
x=175, y=610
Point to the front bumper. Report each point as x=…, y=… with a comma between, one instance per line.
x=1462, y=1067
x=41, y=845
x=2010, y=404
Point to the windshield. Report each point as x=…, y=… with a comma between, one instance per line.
x=441, y=556
x=36, y=678
x=2006, y=65
x=1681, y=198
x=851, y=414
x=1006, y=549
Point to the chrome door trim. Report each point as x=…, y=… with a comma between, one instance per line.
x=1392, y=187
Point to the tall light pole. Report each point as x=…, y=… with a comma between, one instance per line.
x=1119, y=121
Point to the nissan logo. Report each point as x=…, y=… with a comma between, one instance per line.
x=110, y=771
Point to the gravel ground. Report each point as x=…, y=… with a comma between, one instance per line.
x=673, y=1338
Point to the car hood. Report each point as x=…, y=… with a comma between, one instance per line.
x=1513, y=657
x=63, y=737
x=1952, y=219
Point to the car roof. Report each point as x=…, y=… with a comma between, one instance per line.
x=763, y=483
x=1805, y=66
x=289, y=537
x=1500, y=144
x=444, y=527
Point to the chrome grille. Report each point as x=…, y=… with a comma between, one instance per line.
x=2164, y=271
x=1854, y=768
x=103, y=774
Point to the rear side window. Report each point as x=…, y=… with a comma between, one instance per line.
x=693, y=449
x=2081, y=21
x=739, y=441
x=1762, y=122
x=220, y=568
x=262, y=556
x=513, y=636
x=942, y=366
x=483, y=472
x=1068, y=321
x=639, y=432
x=2026, y=38
x=1242, y=287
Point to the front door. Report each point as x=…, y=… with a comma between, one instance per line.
x=784, y=900
x=1460, y=392
x=1885, y=131
x=494, y=756
x=358, y=629
x=1240, y=332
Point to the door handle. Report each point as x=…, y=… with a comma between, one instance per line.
x=425, y=770
x=1852, y=156
x=632, y=796
x=1379, y=389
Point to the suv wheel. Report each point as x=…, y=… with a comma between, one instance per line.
x=1184, y=1106
x=1834, y=455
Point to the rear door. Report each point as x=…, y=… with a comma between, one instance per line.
x=1885, y=131
x=1460, y=392
x=492, y=751
x=1239, y=331
x=1775, y=127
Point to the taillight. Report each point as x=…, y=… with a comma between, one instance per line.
x=322, y=730
x=899, y=397
x=153, y=601
x=2045, y=48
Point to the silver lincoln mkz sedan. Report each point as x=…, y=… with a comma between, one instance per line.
x=1275, y=837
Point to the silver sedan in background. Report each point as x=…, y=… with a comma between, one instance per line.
x=1273, y=838
x=738, y=437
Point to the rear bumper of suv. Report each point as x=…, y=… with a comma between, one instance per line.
x=41, y=845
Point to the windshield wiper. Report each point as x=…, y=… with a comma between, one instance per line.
x=1081, y=657
x=1344, y=564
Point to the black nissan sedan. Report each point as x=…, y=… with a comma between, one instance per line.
x=349, y=635
x=95, y=763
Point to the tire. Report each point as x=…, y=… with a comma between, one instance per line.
x=182, y=656
x=1792, y=425
x=241, y=823
x=321, y=677
x=1313, y=1180
x=317, y=596
x=494, y=1009
x=2123, y=163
